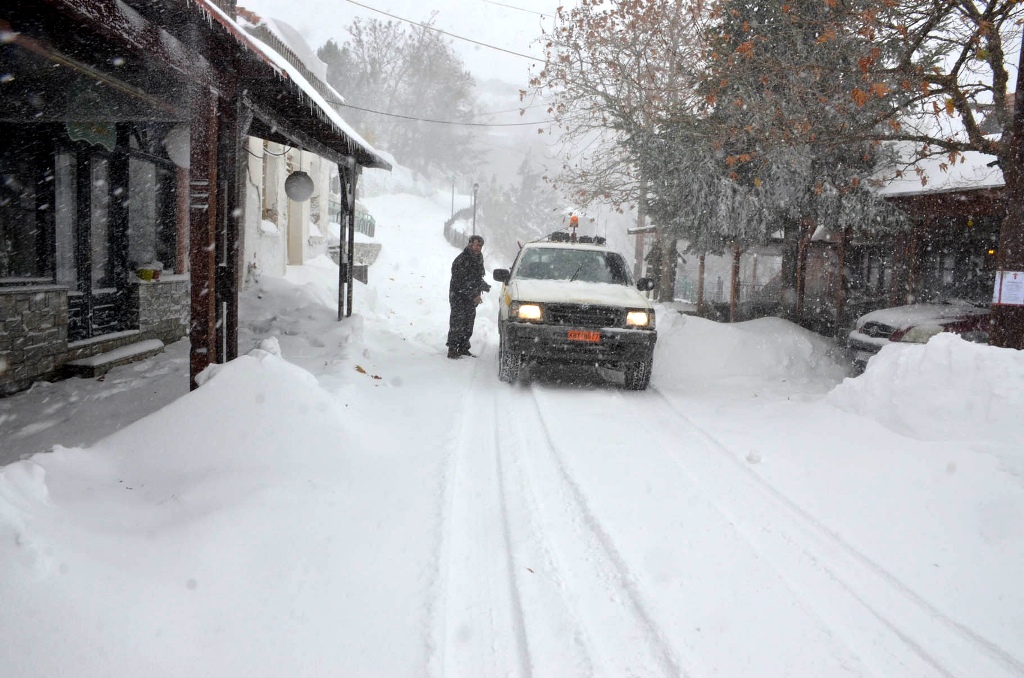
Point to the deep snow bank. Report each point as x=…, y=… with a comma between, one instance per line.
x=180, y=532
x=764, y=350
x=946, y=389
x=162, y=462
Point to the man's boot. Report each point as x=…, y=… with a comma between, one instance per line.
x=453, y=354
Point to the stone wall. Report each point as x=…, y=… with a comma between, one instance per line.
x=33, y=335
x=34, y=328
x=164, y=308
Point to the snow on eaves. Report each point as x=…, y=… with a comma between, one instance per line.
x=315, y=97
x=298, y=50
x=295, y=42
x=210, y=11
x=285, y=69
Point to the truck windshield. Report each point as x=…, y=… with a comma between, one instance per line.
x=591, y=266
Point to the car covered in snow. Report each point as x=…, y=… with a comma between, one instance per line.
x=916, y=324
x=574, y=301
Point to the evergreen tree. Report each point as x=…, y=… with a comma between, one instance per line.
x=775, y=105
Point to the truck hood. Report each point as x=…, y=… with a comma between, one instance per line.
x=578, y=292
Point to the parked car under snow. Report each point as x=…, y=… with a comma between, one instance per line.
x=916, y=324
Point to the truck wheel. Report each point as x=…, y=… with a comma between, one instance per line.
x=638, y=375
x=508, y=363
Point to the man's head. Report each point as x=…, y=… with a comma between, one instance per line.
x=476, y=243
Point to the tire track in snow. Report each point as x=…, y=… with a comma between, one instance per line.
x=707, y=587
x=871, y=592
x=588, y=563
x=436, y=609
x=522, y=644
x=476, y=626
x=548, y=612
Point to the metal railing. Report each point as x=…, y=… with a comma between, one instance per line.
x=454, y=237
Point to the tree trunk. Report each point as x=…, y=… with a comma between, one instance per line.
x=641, y=221
x=806, y=232
x=840, y=301
x=669, y=266
x=792, y=232
x=734, y=283
x=700, y=285
x=1008, y=321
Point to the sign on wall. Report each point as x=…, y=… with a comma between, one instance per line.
x=1009, y=288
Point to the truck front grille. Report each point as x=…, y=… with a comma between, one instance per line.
x=584, y=315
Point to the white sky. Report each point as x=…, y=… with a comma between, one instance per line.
x=345, y=501
x=494, y=24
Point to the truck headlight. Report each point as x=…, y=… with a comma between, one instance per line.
x=643, y=319
x=520, y=311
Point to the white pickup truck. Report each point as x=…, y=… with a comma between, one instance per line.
x=575, y=302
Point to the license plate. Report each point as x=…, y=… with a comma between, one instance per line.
x=864, y=356
x=582, y=335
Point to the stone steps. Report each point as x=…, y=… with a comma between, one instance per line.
x=101, y=363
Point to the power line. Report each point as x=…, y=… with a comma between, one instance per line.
x=521, y=9
x=448, y=122
x=451, y=35
x=508, y=110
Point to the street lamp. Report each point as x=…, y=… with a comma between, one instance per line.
x=475, y=188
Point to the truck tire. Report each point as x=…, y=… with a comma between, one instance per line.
x=638, y=375
x=509, y=363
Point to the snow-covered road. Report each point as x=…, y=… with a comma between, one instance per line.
x=345, y=501
x=587, y=530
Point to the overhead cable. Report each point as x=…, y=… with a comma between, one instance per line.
x=449, y=122
x=451, y=35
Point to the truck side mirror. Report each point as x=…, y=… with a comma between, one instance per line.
x=502, y=275
x=645, y=284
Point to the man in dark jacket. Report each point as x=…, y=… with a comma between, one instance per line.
x=464, y=295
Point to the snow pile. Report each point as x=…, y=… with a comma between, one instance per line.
x=946, y=389
x=301, y=310
x=150, y=537
x=693, y=349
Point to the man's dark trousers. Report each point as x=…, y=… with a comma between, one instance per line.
x=461, y=323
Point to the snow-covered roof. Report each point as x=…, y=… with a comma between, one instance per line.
x=287, y=71
x=297, y=44
x=310, y=91
x=971, y=171
x=288, y=41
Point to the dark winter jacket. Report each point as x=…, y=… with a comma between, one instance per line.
x=467, y=277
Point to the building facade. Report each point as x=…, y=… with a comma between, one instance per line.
x=122, y=200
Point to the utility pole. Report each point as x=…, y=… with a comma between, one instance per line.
x=475, y=187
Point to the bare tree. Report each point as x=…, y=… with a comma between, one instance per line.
x=398, y=82
x=612, y=70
